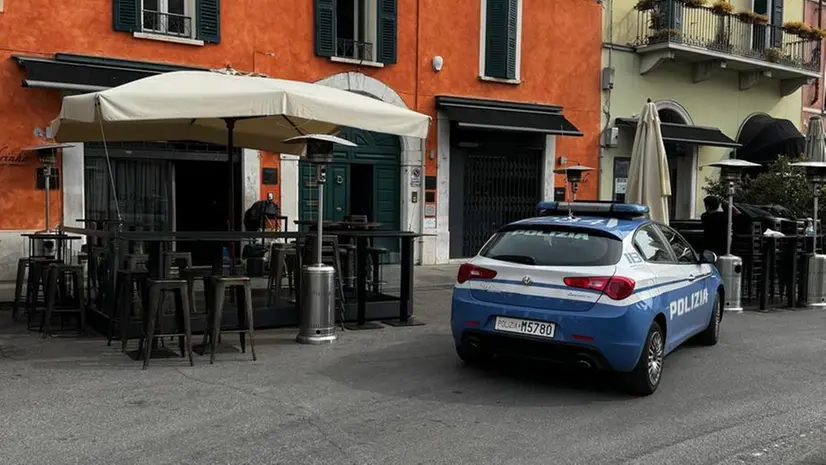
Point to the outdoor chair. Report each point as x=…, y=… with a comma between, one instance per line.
x=62, y=300
x=23, y=276
x=176, y=259
x=36, y=286
x=190, y=274
x=152, y=318
x=215, y=309
x=376, y=254
x=129, y=284
x=280, y=254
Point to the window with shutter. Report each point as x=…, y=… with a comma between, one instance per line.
x=500, y=53
x=178, y=19
x=362, y=31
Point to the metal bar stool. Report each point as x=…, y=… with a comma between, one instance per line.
x=36, y=286
x=58, y=304
x=243, y=302
x=23, y=276
x=151, y=317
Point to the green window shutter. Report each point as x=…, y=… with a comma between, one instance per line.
x=325, y=28
x=776, y=20
x=388, y=32
x=208, y=21
x=501, y=38
x=125, y=15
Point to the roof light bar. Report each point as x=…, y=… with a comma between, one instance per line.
x=594, y=208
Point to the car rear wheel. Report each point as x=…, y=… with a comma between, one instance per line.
x=711, y=335
x=473, y=355
x=646, y=376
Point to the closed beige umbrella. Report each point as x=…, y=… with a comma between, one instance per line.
x=815, y=141
x=649, y=182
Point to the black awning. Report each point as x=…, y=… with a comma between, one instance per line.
x=506, y=116
x=686, y=134
x=86, y=73
x=763, y=138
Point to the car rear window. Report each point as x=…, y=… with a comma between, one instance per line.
x=554, y=246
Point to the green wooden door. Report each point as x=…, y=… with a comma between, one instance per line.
x=380, y=151
x=386, y=206
x=336, y=191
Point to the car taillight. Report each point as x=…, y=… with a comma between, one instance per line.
x=468, y=271
x=615, y=287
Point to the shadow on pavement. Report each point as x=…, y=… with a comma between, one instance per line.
x=428, y=369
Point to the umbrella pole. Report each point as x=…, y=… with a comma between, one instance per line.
x=230, y=122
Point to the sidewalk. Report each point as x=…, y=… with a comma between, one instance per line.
x=424, y=276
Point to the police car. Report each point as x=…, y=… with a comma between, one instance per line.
x=595, y=284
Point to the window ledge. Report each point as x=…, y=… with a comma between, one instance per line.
x=163, y=38
x=500, y=80
x=353, y=61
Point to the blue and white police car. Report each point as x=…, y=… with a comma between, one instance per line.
x=591, y=283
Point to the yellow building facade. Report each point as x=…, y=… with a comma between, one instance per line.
x=709, y=69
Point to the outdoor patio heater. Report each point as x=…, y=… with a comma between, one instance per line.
x=815, y=262
x=573, y=176
x=47, y=155
x=731, y=266
x=316, y=320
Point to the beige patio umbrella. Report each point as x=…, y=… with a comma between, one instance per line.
x=224, y=108
x=206, y=106
x=649, y=182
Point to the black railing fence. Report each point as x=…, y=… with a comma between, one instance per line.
x=168, y=24
x=347, y=48
x=674, y=22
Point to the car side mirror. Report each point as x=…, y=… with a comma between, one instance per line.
x=708, y=257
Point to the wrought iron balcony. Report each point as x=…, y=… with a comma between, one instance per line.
x=347, y=48
x=167, y=24
x=673, y=29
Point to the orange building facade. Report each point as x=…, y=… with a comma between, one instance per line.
x=512, y=86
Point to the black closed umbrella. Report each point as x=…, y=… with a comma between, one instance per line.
x=763, y=138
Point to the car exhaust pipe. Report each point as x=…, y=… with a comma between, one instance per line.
x=585, y=361
x=473, y=343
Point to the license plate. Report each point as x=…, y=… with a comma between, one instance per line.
x=533, y=328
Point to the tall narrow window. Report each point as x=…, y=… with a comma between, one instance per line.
x=501, y=41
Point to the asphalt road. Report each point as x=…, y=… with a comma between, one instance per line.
x=400, y=396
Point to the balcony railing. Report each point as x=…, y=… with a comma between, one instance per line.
x=167, y=24
x=671, y=21
x=346, y=48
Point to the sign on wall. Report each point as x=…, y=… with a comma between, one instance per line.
x=13, y=157
x=416, y=177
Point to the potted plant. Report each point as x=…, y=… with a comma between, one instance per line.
x=694, y=3
x=664, y=35
x=774, y=54
x=816, y=34
x=645, y=5
x=722, y=8
x=750, y=17
x=798, y=28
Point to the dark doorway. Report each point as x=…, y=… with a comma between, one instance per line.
x=201, y=195
x=361, y=190
x=495, y=179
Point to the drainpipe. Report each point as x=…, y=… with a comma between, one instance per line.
x=423, y=142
